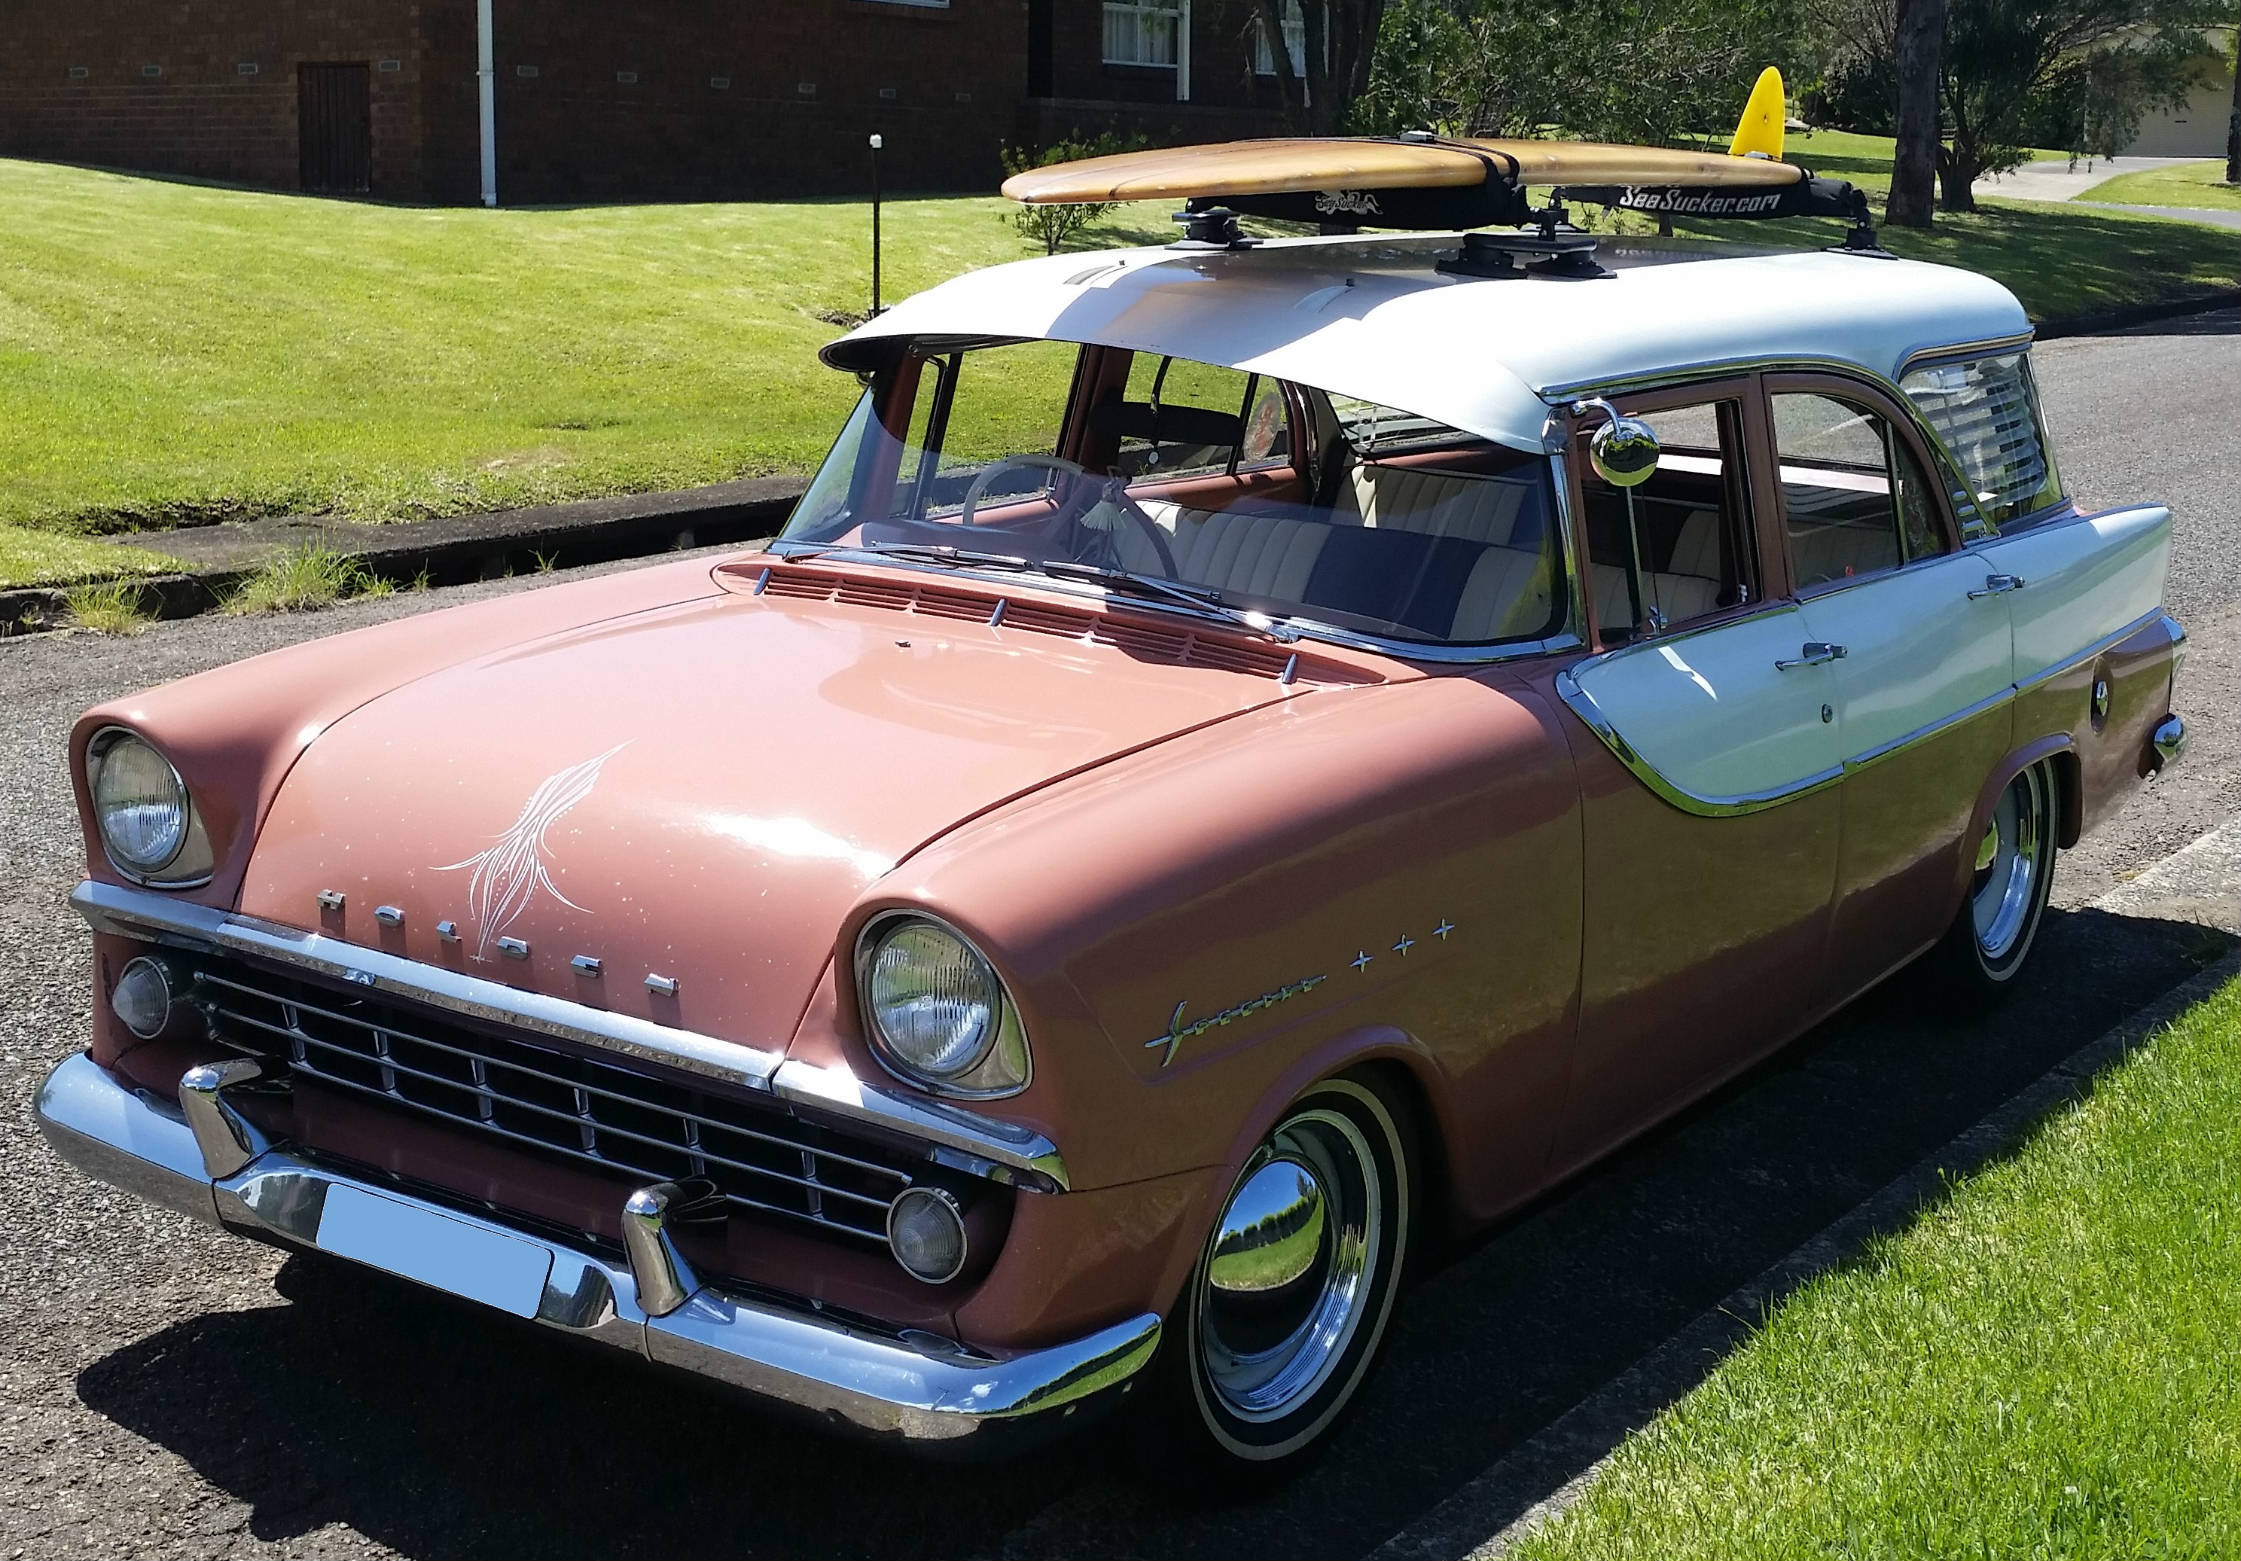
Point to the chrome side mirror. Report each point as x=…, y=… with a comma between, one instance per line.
x=1624, y=451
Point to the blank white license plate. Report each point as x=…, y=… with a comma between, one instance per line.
x=421, y=1244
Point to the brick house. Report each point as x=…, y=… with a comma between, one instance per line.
x=591, y=100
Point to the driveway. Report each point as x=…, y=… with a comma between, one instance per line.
x=169, y=1392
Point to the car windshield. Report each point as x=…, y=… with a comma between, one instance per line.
x=1200, y=485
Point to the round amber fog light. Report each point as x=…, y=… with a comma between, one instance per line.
x=141, y=999
x=926, y=1229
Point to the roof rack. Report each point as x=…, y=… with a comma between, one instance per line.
x=1426, y=182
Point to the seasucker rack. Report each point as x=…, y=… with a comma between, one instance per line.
x=1422, y=181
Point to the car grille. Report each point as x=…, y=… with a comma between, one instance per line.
x=762, y=1157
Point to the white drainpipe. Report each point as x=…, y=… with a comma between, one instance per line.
x=486, y=74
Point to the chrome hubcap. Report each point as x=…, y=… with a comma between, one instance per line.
x=1288, y=1275
x=2010, y=860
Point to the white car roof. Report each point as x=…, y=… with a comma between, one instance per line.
x=1370, y=317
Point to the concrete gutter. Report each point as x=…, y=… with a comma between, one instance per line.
x=449, y=551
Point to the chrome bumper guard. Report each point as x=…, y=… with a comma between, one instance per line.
x=2170, y=741
x=203, y=1159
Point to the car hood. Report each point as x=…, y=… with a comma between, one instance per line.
x=699, y=794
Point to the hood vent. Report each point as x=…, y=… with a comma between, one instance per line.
x=1143, y=641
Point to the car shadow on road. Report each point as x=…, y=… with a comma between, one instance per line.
x=442, y=1431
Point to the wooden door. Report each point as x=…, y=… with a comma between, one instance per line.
x=334, y=124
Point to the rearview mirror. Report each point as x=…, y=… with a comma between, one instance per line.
x=1624, y=451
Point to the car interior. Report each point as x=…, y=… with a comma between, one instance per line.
x=1278, y=496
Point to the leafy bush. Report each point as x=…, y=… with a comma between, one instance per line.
x=1052, y=226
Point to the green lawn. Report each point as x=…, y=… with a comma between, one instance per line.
x=173, y=353
x=35, y=557
x=2200, y=185
x=2045, y=1365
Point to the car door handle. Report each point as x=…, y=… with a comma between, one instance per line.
x=1812, y=654
x=1997, y=585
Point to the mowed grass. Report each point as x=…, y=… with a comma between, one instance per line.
x=174, y=353
x=2199, y=185
x=30, y=556
x=2045, y=1365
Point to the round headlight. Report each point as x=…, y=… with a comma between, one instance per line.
x=932, y=999
x=937, y=1014
x=140, y=803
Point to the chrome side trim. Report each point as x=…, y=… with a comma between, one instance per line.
x=1583, y=705
x=986, y=1145
x=2106, y=642
x=1921, y=734
x=909, y=1385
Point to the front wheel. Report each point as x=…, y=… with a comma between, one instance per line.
x=2008, y=889
x=1287, y=1307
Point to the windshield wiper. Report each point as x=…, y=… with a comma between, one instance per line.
x=1200, y=597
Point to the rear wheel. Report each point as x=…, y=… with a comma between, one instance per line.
x=2013, y=875
x=1287, y=1307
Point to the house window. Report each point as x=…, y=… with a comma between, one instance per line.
x=1295, y=42
x=1144, y=32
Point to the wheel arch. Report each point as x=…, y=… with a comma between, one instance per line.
x=1404, y=1073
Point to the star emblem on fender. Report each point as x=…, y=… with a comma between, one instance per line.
x=510, y=872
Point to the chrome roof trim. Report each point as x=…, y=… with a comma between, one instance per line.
x=983, y=1144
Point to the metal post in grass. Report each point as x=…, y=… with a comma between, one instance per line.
x=876, y=143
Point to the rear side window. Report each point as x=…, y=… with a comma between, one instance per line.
x=1985, y=413
x=1853, y=500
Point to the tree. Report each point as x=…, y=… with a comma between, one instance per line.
x=2005, y=59
x=1920, y=45
x=1653, y=71
x=2233, y=121
x=1338, y=46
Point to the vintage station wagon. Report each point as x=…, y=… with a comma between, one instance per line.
x=1250, y=758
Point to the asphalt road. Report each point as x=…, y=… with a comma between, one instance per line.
x=166, y=1391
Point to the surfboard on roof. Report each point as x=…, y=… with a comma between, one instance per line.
x=1426, y=181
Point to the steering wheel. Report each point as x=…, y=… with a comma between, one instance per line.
x=979, y=489
x=1115, y=494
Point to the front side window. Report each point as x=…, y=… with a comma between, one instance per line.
x=1986, y=414
x=1183, y=482
x=1677, y=546
x=1142, y=32
x=1854, y=500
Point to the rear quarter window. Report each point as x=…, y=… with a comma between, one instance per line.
x=1985, y=412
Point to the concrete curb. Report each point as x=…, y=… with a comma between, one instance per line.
x=450, y=551
x=2095, y=323
x=1533, y=1484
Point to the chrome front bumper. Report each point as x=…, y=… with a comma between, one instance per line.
x=205, y=1161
